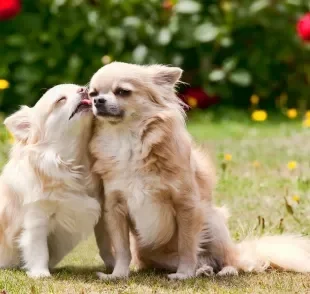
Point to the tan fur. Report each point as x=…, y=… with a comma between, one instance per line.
x=158, y=184
x=166, y=174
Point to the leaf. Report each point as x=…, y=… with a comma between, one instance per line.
x=224, y=166
x=206, y=32
x=281, y=226
x=29, y=74
x=257, y=6
x=139, y=54
x=115, y=33
x=93, y=18
x=288, y=207
x=187, y=7
x=30, y=57
x=294, y=2
x=229, y=64
x=226, y=42
x=263, y=224
x=164, y=37
x=132, y=21
x=16, y=40
x=177, y=59
x=75, y=62
x=216, y=75
x=241, y=78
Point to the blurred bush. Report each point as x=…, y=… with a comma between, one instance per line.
x=230, y=48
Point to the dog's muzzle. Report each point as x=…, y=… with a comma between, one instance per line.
x=107, y=109
x=84, y=105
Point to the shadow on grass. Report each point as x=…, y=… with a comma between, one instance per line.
x=155, y=278
x=84, y=274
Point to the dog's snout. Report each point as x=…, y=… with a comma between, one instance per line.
x=99, y=101
x=83, y=92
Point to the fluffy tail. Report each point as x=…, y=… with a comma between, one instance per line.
x=285, y=252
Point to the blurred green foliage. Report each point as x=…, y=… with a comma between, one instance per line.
x=230, y=47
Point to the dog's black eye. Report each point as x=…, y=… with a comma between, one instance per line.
x=93, y=93
x=122, y=92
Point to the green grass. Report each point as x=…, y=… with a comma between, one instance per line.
x=251, y=193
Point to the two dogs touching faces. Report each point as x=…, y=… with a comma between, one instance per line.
x=141, y=184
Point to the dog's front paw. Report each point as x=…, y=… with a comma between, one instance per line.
x=179, y=276
x=37, y=274
x=109, y=277
x=205, y=270
x=228, y=271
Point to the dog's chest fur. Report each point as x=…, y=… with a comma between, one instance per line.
x=145, y=195
x=66, y=197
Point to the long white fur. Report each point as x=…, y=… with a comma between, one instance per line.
x=286, y=252
x=254, y=254
x=48, y=196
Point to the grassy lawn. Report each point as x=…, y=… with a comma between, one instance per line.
x=257, y=186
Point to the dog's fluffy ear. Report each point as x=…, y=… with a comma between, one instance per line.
x=165, y=75
x=19, y=124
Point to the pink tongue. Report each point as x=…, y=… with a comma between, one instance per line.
x=86, y=101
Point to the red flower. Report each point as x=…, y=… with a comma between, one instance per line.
x=9, y=8
x=303, y=27
x=167, y=4
x=196, y=97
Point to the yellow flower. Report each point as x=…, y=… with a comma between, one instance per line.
x=292, y=113
x=291, y=165
x=308, y=114
x=227, y=157
x=256, y=163
x=106, y=59
x=192, y=101
x=296, y=198
x=306, y=123
x=4, y=84
x=259, y=115
x=254, y=99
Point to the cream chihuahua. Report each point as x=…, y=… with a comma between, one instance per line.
x=158, y=185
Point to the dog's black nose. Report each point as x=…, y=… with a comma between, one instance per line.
x=99, y=101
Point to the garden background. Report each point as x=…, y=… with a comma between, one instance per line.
x=248, y=73
x=230, y=49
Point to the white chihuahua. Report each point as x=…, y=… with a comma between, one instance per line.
x=48, y=195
